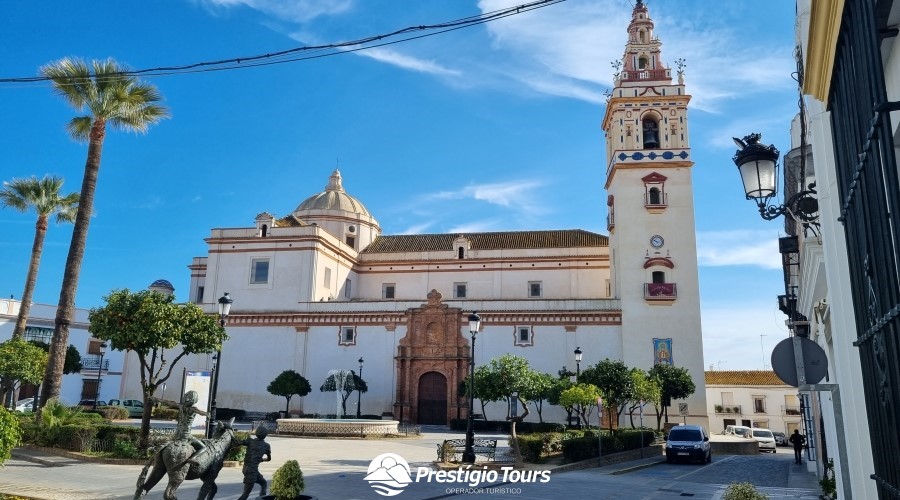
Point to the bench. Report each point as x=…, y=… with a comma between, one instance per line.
x=450, y=448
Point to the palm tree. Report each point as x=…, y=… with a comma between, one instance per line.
x=44, y=197
x=110, y=96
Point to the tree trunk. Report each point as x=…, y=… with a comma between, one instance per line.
x=66, y=308
x=287, y=407
x=40, y=231
x=145, y=420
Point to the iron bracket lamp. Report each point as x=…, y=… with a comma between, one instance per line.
x=758, y=166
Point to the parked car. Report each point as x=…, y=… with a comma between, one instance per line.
x=737, y=430
x=690, y=442
x=135, y=407
x=88, y=404
x=765, y=439
x=780, y=438
x=24, y=404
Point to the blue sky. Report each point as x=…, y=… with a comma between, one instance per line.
x=488, y=128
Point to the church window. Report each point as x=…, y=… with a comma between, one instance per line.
x=655, y=198
x=347, y=335
x=327, y=278
x=659, y=276
x=259, y=271
x=263, y=231
x=643, y=36
x=387, y=290
x=351, y=241
x=535, y=289
x=460, y=290
x=347, y=287
x=642, y=61
x=461, y=253
x=200, y=291
x=651, y=133
x=524, y=336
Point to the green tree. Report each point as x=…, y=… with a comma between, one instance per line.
x=511, y=375
x=581, y=397
x=675, y=382
x=288, y=384
x=539, y=390
x=485, y=392
x=646, y=391
x=10, y=434
x=110, y=97
x=613, y=378
x=21, y=361
x=73, y=357
x=44, y=197
x=158, y=331
x=351, y=382
x=563, y=382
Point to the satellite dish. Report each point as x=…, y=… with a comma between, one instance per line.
x=815, y=361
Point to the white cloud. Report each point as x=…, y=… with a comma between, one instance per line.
x=407, y=62
x=289, y=10
x=474, y=226
x=515, y=194
x=418, y=228
x=738, y=248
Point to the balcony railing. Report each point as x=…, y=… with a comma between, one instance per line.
x=660, y=291
x=660, y=200
x=610, y=221
x=647, y=74
x=92, y=362
x=790, y=410
x=734, y=409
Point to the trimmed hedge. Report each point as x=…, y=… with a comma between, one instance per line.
x=459, y=424
x=113, y=412
x=165, y=413
x=581, y=448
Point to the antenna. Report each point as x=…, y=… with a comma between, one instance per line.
x=762, y=350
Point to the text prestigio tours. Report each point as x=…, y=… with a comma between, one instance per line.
x=474, y=477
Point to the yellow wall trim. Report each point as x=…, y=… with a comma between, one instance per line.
x=824, y=28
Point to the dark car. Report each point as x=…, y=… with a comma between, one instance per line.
x=688, y=442
x=88, y=404
x=780, y=438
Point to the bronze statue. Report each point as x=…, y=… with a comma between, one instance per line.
x=258, y=450
x=186, y=457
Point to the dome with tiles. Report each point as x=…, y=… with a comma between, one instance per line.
x=333, y=198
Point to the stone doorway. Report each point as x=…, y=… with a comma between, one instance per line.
x=432, y=399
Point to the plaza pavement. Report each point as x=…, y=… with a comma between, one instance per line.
x=334, y=470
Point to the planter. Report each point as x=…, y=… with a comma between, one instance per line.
x=298, y=497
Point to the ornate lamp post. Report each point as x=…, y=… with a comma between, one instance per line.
x=358, y=392
x=468, y=456
x=225, y=302
x=99, y=371
x=578, y=354
x=758, y=166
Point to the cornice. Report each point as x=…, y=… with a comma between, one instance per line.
x=824, y=29
x=301, y=322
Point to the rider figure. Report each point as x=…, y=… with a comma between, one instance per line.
x=186, y=412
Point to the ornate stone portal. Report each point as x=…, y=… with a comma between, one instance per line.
x=432, y=359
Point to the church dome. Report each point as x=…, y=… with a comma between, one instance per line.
x=333, y=198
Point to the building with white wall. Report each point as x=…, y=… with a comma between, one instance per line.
x=321, y=287
x=75, y=386
x=752, y=398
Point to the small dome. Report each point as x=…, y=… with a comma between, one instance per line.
x=162, y=286
x=333, y=198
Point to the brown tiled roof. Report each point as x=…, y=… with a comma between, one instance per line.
x=289, y=221
x=742, y=377
x=563, y=238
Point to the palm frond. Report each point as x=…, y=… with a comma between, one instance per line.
x=80, y=127
x=68, y=208
x=71, y=80
x=43, y=195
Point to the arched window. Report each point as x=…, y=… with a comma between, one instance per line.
x=651, y=133
x=642, y=61
x=462, y=253
x=263, y=230
x=659, y=276
x=642, y=36
x=654, y=196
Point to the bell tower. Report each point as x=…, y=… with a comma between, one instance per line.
x=652, y=236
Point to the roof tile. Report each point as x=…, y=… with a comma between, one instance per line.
x=742, y=377
x=563, y=238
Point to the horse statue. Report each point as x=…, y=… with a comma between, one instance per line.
x=177, y=460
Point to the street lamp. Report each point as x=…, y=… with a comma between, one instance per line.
x=578, y=355
x=225, y=302
x=99, y=371
x=758, y=166
x=358, y=392
x=468, y=456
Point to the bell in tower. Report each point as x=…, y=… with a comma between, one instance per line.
x=651, y=134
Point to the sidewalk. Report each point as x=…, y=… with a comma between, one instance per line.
x=335, y=468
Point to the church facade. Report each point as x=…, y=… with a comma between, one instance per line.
x=322, y=288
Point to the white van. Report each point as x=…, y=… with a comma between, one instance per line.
x=738, y=431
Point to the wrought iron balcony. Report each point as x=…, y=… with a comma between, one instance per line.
x=647, y=74
x=659, y=200
x=660, y=291
x=610, y=222
x=92, y=362
x=726, y=409
x=790, y=410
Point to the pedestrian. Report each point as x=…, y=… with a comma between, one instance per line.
x=798, y=440
x=258, y=450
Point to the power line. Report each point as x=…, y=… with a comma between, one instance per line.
x=319, y=51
